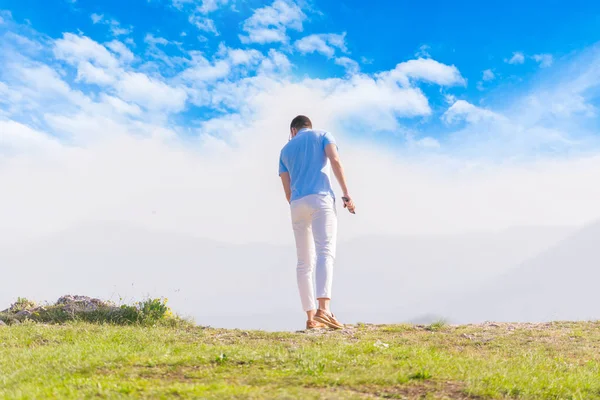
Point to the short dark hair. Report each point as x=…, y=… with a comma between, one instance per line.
x=301, y=121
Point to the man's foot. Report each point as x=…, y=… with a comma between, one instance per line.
x=312, y=324
x=328, y=319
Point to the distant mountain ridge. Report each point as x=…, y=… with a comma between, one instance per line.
x=377, y=279
x=561, y=283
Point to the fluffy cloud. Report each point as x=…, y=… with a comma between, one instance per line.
x=488, y=75
x=150, y=93
x=463, y=110
x=125, y=55
x=115, y=26
x=276, y=62
x=240, y=56
x=270, y=23
x=203, y=6
x=545, y=60
x=16, y=138
x=203, y=23
x=322, y=43
x=74, y=49
x=118, y=153
x=208, y=6
x=351, y=66
x=96, y=18
x=425, y=69
x=517, y=58
x=203, y=70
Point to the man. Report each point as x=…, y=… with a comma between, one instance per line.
x=304, y=166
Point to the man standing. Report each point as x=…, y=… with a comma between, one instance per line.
x=304, y=165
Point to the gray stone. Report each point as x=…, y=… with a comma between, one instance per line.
x=2, y=323
x=23, y=314
x=75, y=304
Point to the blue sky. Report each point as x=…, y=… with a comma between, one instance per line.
x=135, y=110
x=378, y=35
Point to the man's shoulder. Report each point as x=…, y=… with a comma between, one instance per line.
x=321, y=132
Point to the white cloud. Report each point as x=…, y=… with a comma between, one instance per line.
x=199, y=15
x=276, y=62
x=545, y=60
x=74, y=49
x=121, y=106
x=117, y=30
x=208, y=6
x=203, y=23
x=87, y=72
x=203, y=6
x=488, y=75
x=115, y=26
x=16, y=138
x=517, y=58
x=322, y=43
x=125, y=55
x=134, y=159
x=241, y=56
x=425, y=69
x=270, y=23
x=94, y=63
x=151, y=93
x=428, y=143
x=96, y=18
x=154, y=40
x=463, y=110
x=202, y=70
x=351, y=66
x=423, y=51
x=5, y=16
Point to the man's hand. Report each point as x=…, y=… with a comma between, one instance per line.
x=336, y=165
x=349, y=203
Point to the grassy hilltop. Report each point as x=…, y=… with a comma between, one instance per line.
x=79, y=359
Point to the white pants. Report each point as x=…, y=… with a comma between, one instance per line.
x=314, y=220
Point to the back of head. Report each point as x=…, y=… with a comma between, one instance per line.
x=301, y=121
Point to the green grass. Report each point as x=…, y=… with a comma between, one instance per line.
x=83, y=360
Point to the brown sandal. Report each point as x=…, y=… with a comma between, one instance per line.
x=328, y=319
x=312, y=324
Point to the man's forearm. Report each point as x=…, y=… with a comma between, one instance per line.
x=338, y=171
x=287, y=187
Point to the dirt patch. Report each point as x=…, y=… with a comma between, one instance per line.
x=432, y=389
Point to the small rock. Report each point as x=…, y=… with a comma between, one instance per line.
x=2, y=323
x=23, y=314
x=77, y=303
x=381, y=345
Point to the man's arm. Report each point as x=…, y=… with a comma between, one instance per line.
x=285, y=180
x=338, y=171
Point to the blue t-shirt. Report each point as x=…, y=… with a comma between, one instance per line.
x=304, y=158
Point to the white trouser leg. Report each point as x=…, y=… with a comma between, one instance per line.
x=314, y=221
x=324, y=227
x=302, y=224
